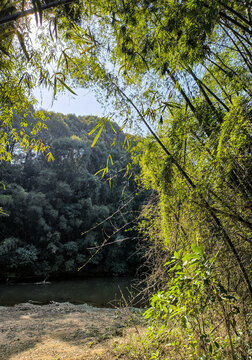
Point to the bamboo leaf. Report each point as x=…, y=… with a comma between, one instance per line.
x=130, y=80
x=112, y=127
x=66, y=86
x=59, y=61
x=97, y=174
x=55, y=87
x=111, y=160
x=87, y=49
x=97, y=136
x=21, y=41
x=50, y=156
x=6, y=34
x=96, y=126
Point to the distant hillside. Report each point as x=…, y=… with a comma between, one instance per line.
x=50, y=204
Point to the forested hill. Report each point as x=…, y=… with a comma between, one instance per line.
x=49, y=204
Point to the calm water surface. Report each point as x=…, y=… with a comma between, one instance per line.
x=94, y=291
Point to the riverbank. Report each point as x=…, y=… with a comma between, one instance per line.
x=60, y=331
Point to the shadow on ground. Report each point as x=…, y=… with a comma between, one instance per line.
x=57, y=331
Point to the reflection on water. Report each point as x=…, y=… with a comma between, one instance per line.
x=94, y=291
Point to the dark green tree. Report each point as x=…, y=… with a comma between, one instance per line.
x=50, y=204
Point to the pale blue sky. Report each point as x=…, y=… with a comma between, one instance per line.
x=82, y=104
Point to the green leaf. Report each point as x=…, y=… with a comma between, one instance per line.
x=22, y=43
x=97, y=126
x=87, y=49
x=184, y=321
x=55, y=87
x=169, y=262
x=177, y=254
x=66, y=86
x=197, y=249
x=97, y=136
x=50, y=156
x=98, y=173
x=112, y=127
x=111, y=160
x=130, y=80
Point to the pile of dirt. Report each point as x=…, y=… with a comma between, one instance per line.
x=59, y=331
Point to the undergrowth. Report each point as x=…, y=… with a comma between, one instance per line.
x=195, y=318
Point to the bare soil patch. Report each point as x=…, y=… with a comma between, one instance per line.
x=59, y=331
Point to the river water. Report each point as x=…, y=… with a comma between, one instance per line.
x=100, y=292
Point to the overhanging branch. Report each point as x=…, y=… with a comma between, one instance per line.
x=13, y=17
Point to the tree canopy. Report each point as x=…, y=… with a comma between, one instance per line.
x=59, y=216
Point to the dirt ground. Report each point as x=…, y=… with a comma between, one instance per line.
x=59, y=331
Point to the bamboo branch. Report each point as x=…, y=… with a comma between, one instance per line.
x=192, y=185
x=20, y=14
x=235, y=22
x=238, y=49
x=236, y=13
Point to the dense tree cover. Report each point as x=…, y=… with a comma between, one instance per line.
x=50, y=204
x=184, y=68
